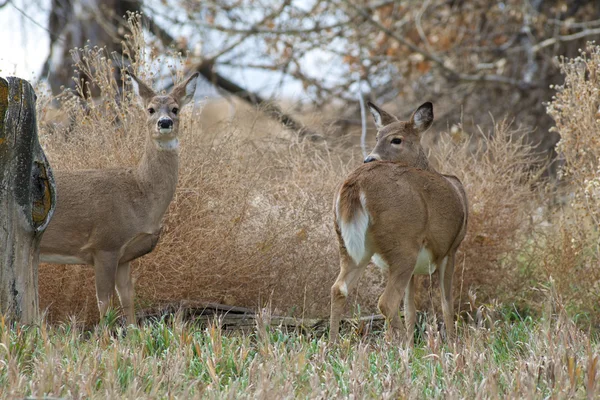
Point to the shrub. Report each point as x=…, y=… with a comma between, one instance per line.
x=572, y=253
x=251, y=221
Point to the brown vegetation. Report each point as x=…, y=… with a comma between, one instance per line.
x=251, y=221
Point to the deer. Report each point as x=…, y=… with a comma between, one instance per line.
x=109, y=217
x=399, y=212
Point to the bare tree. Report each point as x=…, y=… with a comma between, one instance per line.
x=74, y=24
x=472, y=57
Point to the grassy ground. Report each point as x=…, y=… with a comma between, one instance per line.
x=250, y=225
x=513, y=356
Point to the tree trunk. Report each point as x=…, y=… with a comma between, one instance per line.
x=27, y=201
x=77, y=23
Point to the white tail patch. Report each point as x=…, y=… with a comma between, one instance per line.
x=354, y=232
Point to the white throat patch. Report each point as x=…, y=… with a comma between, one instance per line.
x=172, y=144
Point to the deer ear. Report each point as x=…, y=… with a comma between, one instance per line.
x=381, y=117
x=423, y=117
x=142, y=91
x=184, y=92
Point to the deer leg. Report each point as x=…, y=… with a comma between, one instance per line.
x=105, y=266
x=345, y=282
x=389, y=302
x=410, y=312
x=125, y=291
x=446, y=275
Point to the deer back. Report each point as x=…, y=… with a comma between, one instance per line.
x=405, y=203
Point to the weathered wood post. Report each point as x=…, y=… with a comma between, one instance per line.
x=27, y=201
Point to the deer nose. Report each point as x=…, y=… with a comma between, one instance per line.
x=369, y=159
x=165, y=123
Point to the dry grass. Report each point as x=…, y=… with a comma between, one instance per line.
x=250, y=224
x=498, y=355
x=251, y=219
x=572, y=252
x=498, y=182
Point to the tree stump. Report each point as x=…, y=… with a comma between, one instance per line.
x=27, y=201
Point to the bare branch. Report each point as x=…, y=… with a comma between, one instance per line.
x=566, y=38
x=265, y=31
x=206, y=69
x=33, y=21
x=363, y=119
x=437, y=60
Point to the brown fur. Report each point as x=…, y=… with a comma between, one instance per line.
x=109, y=217
x=349, y=199
x=410, y=207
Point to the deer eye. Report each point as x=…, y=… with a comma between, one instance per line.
x=151, y=110
x=175, y=110
x=396, y=140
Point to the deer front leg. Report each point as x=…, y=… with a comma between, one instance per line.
x=105, y=266
x=125, y=291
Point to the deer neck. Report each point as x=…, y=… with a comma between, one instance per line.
x=422, y=161
x=157, y=172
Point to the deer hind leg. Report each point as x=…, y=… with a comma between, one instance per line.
x=105, y=266
x=446, y=275
x=410, y=312
x=125, y=291
x=400, y=274
x=345, y=282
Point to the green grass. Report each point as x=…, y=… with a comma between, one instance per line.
x=511, y=356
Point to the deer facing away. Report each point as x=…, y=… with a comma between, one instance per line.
x=398, y=211
x=109, y=217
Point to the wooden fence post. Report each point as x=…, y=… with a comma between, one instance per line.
x=27, y=201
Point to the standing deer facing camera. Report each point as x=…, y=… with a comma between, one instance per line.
x=109, y=217
x=398, y=211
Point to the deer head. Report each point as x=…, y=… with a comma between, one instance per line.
x=163, y=110
x=401, y=140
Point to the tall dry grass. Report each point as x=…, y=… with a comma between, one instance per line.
x=251, y=222
x=573, y=253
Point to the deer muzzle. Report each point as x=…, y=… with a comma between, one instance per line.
x=165, y=125
x=371, y=157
